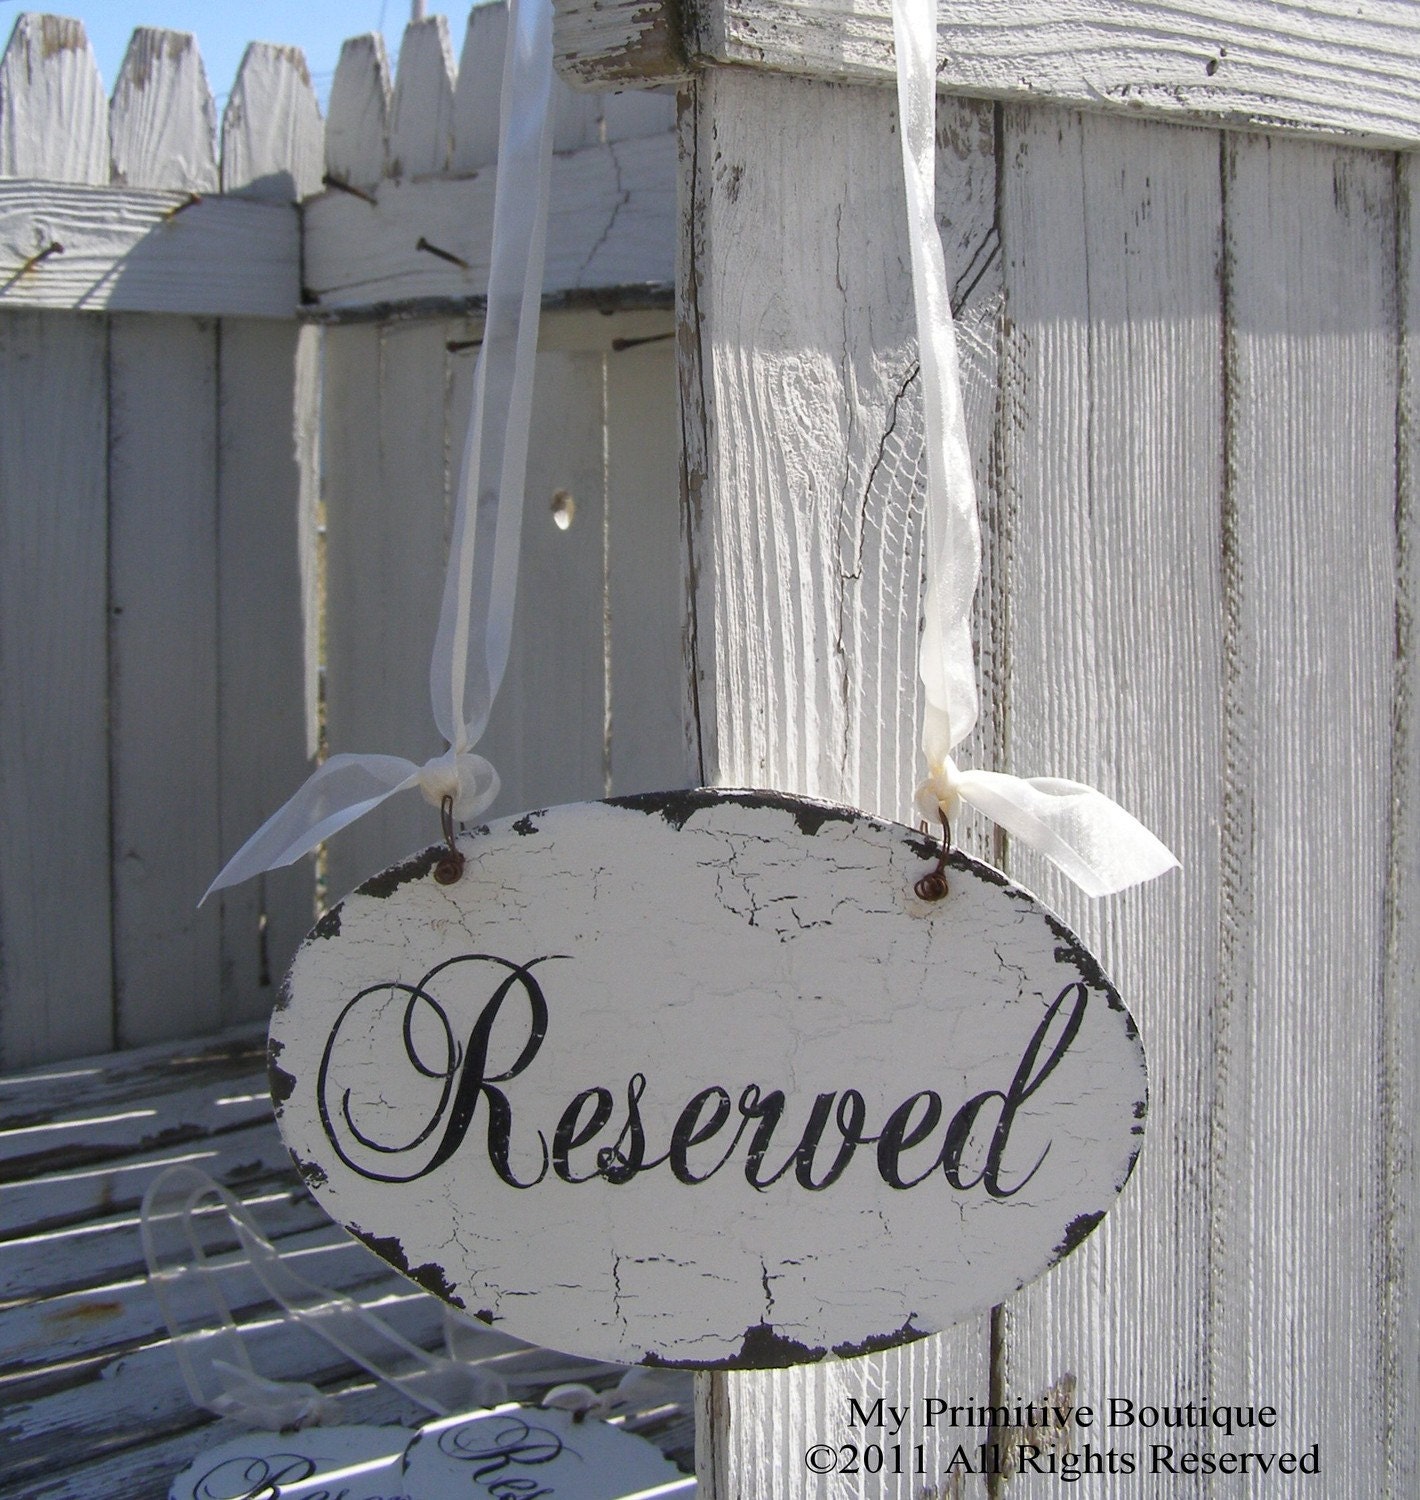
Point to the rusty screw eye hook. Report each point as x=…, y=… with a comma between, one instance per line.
x=451, y=863
x=933, y=885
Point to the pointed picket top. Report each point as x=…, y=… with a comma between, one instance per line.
x=357, y=124
x=422, y=113
x=480, y=80
x=162, y=122
x=272, y=137
x=53, y=109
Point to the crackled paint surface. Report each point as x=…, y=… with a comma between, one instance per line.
x=697, y=1079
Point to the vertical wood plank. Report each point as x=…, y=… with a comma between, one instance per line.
x=645, y=577
x=387, y=474
x=1112, y=454
x=357, y=127
x=547, y=733
x=479, y=83
x=266, y=493
x=163, y=678
x=1310, y=533
x=272, y=139
x=1399, y=1064
x=55, y=974
x=162, y=121
x=53, y=111
x=797, y=360
x=422, y=113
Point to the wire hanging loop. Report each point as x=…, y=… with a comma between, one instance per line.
x=933, y=885
x=451, y=862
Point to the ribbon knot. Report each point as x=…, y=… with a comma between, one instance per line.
x=469, y=781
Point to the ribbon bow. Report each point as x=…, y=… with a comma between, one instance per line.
x=1093, y=840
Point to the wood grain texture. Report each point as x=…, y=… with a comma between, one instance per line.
x=624, y=44
x=422, y=110
x=1298, y=1228
x=387, y=474
x=796, y=368
x=1399, y=1067
x=611, y=225
x=163, y=674
x=266, y=496
x=134, y=250
x=162, y=121
x=357, y=126
x=272, y=146
x=1112, y=471
x=53, y=113
x=1345, y=70
x=547, y=733
x=55, y=936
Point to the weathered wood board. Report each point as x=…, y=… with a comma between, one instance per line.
x=1180, y=423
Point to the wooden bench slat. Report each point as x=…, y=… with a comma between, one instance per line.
x=106, y=1250
x=58, y=1199
x=106, y=1321
x=69, y=1089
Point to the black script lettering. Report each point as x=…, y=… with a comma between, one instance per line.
x=568, y=1135
x=1027, y=1080
x=898, y=1137
x=262, y=1477
x=621, y=1162
x=690, y=1132
x=464, y=1076
x=515, y=1445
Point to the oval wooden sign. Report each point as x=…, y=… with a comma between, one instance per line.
x=696, y=1078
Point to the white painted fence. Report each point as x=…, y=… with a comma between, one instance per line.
x=1191, y=356
x=1191, y=377
x=203, y=355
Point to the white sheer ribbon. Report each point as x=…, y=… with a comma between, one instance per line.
x=185, y=1217
x=1093, y=840
x=476, y=619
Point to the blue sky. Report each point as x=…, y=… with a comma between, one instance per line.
x=317, y=27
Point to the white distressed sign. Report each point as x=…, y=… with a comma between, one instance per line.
x=698, y=1078
x=520, y=1452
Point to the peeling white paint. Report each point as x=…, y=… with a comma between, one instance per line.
x=552, y=1090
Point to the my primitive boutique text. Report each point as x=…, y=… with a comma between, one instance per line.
x=596, y=1138
x=1122, y=1437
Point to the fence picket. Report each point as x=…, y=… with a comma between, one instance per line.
x=357, y=126
x=645, y=577
x=476, y=93
x=422, y=112
x=1299, y=1155
x=386, y=476
x=55, y=975
x=1116, y=632
x=53, y=112
x=162, y=122
x=163, y=678
x=272, y=137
